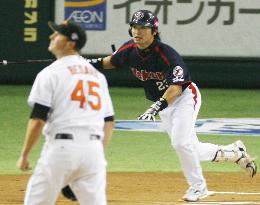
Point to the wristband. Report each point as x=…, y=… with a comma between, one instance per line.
x=164, y=103
x=160, y=104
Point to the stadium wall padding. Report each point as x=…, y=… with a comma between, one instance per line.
x=25, y=35
x=206, y=73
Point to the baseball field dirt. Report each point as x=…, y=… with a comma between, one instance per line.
x=152, y=189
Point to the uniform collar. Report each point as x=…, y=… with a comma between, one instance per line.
x=69, y=57
x=147, y=51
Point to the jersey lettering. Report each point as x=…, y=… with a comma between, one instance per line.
x=80, y=69
x=145, y=75
x=78, y=94
x=162, y=85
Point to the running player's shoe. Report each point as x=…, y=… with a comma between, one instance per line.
x=245, y=161
x=195, y=194
x=236, y=152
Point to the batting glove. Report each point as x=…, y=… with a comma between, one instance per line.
x=97, y=63
x=151, y=112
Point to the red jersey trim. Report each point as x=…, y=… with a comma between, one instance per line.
x=194, y=92
x=131, y=45
x=186, y=82
x=165, y=59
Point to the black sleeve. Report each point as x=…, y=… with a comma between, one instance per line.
x=40, y=111
x=178, y=72
x=120, y=57
x=117, y=60
x=110, y=118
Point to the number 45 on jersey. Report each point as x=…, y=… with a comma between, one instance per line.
x=78, y=94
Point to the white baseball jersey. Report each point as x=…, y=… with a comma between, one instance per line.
x=79, y=100
x=74, y=90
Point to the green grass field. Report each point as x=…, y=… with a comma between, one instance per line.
x=131, y=151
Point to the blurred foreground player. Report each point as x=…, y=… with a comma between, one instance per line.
x=72, y=105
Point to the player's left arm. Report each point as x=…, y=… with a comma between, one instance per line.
x=172, y=92
x=108, y=131
x=169, y=96
x=176, y=76
x=109, y=114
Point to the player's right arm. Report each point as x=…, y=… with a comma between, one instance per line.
x=116, y=60
x=40, y=99
x=34, y=128
x=107, y=63
x=102, y=63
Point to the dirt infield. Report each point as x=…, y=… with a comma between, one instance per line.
x=152, y=189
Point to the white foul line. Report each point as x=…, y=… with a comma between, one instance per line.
x=237, y=193
x=228, y=202
x=223, y=203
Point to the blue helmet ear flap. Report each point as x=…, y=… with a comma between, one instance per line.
x=130, y=32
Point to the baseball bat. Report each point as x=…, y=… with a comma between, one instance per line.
x=113, y=47
x=6, y=62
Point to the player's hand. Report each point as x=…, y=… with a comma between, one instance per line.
x=23, y=164
x=149, y=115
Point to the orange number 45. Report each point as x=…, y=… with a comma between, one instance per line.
x=78, y=95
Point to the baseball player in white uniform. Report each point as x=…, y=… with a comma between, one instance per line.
x=167, y=83
x=72, y=106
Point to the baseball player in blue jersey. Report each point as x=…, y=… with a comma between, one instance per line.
x=72, y=107
x=177, y=100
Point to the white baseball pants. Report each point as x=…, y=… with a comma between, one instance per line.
x=64, y=162
x=179, y=121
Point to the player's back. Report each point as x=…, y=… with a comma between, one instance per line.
x=80, y=96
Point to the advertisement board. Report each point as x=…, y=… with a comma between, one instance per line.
x=24, y=31
x=24, y=35
x=90, y=14
x=227, y=28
